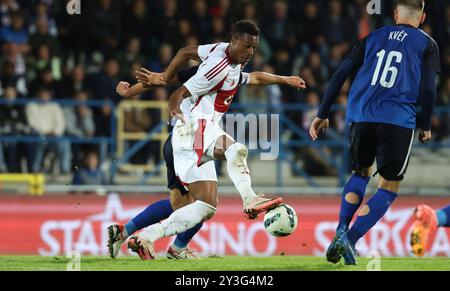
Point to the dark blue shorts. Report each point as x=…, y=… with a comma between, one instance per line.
x=388, y=144
x=172, y=180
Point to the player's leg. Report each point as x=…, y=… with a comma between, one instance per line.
x=374, y=209
x=362, y=156
x=181, y=220
x=179, y=197
x=179, y=249
x=426, y=221
x=353, y=195
x=235, y=154
x=393, y=150
x=154, y=213
x=368, y=216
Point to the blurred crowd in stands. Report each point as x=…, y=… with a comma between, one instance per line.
x=48, y=54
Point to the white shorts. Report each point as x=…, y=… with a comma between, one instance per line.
x=193, y=147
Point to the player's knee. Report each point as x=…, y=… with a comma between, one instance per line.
x=237, y=153
x=206, y=210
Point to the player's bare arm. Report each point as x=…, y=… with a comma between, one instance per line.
x=125, y=90
x=179, y=61
x=175, y=101
x=151, y=79
x=148, y=80
x=262, y=78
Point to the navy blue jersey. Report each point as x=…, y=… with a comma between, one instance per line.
x=392, y=62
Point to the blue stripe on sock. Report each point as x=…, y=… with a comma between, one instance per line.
x=378, y=205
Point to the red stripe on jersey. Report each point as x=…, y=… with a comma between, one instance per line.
x=214, y=48
x=219, y=71
x=215, y=67
x=217, y=87
x=199, y=140
x=224, y=99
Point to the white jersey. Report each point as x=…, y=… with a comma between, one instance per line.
x=212, y=90
x=214, y=85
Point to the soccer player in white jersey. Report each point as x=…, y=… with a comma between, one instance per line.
x=197, y=138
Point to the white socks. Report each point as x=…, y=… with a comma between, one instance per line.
x=179, y=221
x=238, y=171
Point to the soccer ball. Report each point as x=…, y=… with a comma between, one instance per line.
x=281, y=221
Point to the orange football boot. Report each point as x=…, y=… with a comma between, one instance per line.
x=260, y=204
x=425, y=224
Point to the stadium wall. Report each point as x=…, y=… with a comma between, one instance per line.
x=54, y=225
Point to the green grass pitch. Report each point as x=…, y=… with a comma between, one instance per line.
x=279, y=263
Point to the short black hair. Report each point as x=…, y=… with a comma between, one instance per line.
x=412, y=4
x=245, y=26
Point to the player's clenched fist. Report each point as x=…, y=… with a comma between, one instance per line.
x=122, y=88
x=296, y=82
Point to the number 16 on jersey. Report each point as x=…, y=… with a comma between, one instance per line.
x=388, y=67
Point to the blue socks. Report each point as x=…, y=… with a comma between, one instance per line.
x=352, y=197
x=151, y=215
x=155, y=213
x=184, y=238
x=443, y=216
x=371, y=213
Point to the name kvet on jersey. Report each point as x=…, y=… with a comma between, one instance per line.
x=399, y=35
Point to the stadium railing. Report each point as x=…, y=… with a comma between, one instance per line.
x=297, y=137
x=159, y=132
x=106, y=144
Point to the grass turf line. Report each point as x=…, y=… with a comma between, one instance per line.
x=278, y=263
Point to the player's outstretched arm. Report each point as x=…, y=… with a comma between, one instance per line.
x=182, y=57
x=151, y=80
x=169, y=77
x=262, y=78
x=125, y=90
